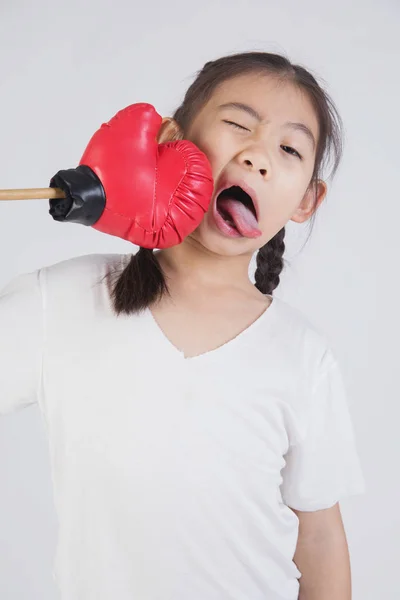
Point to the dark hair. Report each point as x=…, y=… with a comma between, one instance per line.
x=142, y=281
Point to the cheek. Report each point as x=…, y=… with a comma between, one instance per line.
x=277, y=212
x=214, y=147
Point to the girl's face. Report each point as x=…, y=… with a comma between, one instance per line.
x=262, y=151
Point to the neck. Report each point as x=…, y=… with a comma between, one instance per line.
x=192, y=265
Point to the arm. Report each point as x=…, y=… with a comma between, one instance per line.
x=322, y=555
x=21, y=341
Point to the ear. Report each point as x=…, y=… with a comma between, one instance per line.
x=169, y=131
x=313, y=198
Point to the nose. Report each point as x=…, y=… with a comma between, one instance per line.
x=254, y=160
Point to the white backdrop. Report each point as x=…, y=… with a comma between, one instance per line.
x=65, y=68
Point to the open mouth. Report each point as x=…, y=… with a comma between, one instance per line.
x=236, y=208
x=234, y=192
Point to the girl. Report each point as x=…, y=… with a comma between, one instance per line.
x=199, y=433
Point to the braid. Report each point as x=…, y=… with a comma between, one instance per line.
x=270, y=263
x=141, y=282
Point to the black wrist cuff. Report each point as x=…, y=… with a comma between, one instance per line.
x=85, y=198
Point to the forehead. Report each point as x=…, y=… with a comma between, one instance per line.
x=272, y=97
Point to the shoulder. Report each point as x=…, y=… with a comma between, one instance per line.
x=84, y=266
x=307, y=344
x=84, y=270
x=67, y=276
x=81, y=276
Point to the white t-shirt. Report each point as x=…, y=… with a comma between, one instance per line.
x=173, y=476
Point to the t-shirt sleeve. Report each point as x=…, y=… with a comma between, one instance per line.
x=21, y=341
x=324, y=466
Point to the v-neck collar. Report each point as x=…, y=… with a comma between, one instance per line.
x=266, y=315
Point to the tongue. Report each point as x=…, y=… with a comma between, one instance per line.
x=244, y=220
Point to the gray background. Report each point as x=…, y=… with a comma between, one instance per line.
x=65, y=68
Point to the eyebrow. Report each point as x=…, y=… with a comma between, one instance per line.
x=256, y=115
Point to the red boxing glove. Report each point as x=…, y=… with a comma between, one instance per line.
x=129, y=186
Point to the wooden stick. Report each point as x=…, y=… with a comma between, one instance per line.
x=32, y=194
